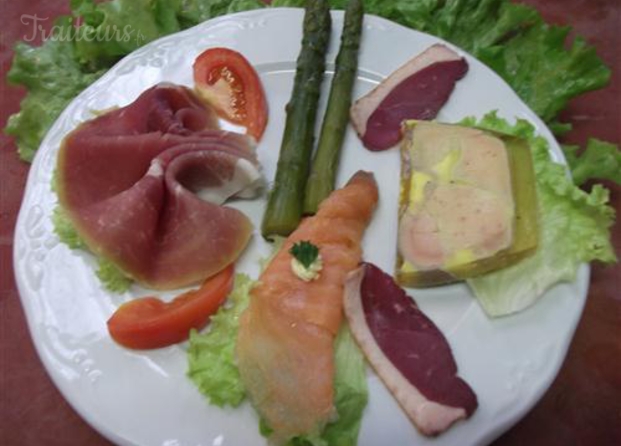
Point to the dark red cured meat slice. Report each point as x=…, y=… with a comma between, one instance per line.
x=128, y=180
x=402, y=331
x=405, y=346
x=126, y=158
x=164, y=108
x=420, y=96
x=416, y=90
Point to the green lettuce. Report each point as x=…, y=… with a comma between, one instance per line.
x=574, y=229
x=113, y=29
x=193, y=12
x=72, y=59
x=211, y=355
x=542, y=72
x=53, y=77
x=350, y=391
x=111, y=277
x=244, y=5
x=600, y=160
x=65, y=230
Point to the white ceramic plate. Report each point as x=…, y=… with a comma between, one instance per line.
x=145, y=398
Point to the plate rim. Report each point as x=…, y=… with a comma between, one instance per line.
x=582, y=277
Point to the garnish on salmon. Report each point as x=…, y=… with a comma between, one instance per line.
x=285, y=342
x=306, y=262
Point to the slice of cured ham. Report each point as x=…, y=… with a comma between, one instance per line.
x=143, y=186
x=407, y=351
x=417, y=90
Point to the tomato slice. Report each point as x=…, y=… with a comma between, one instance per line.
x=225, y=79
x=149, y=322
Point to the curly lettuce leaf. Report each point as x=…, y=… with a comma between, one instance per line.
x=64, y=65
x=599, y=160
x=193, y=12
x=113, y=29
x=350, y=391
x=112, y=278
x=211, y=355
x=244, y=5
x=53, y=77
x=70, y=60
x=543, y=72
x=574, y=227
x=65, y=230
x=475, y=25
x=288, y=3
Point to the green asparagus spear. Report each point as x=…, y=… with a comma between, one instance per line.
x=284, y=206
x=326, y=160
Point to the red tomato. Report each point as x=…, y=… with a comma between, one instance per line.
x=149, y=322
x=226, y=80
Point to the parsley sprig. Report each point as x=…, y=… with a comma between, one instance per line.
x=305, y=252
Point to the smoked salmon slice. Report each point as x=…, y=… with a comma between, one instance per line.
x=285, y=342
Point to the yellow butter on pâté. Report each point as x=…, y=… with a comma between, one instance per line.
x=468, y=203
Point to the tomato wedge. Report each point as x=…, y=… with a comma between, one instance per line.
x=225, y=79
x=149, y=322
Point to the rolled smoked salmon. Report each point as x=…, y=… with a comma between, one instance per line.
x=285, y=342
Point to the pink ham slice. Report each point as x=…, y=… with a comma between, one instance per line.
x=417, y=90
x=407, y=351
x=144, y=187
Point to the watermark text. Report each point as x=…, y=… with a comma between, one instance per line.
x=83, y=32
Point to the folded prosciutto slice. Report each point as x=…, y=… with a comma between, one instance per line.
x=144, y=186
x=417, y=90
x=408, y=352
